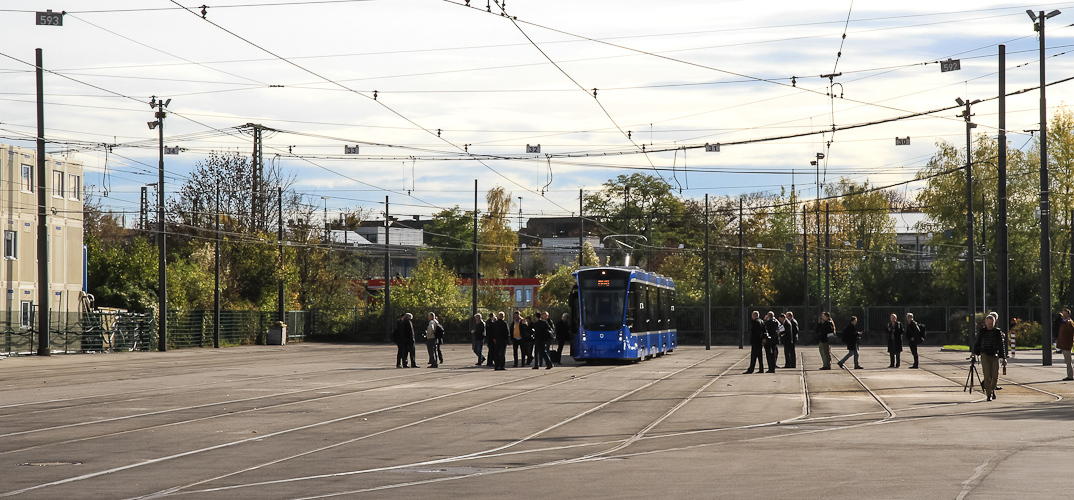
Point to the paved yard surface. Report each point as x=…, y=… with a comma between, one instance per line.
x=340, y=421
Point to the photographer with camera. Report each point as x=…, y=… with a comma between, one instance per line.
x=991, y=346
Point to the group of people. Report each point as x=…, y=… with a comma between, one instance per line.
x=404, y=338
x=894, y=332
x=766, y=336
x=532, y=339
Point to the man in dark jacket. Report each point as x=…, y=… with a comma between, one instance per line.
x=771, y=342
x=542, y=336
x=790, y=337
x=406, y=331
x=500, y=335
x=479, y=338
x=894, y=333
x=563, y=333
x=991, y=346
x=757, y=335
x=914, y=335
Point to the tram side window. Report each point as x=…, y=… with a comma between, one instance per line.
x=659, y=306
x=671, y=310
x=632, y=307
x=641, y=322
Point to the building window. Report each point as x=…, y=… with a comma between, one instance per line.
x=27, y=316
x=28, y=178
x=76, y=187
x=57, y=184
x=11, y=244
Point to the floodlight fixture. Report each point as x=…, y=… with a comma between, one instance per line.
x=960, y=101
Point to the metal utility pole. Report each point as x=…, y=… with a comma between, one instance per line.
x=741, y=277
x=143, y=215
x=389, y=321
x=1045, y=207
x=971, y=278
x=827, y=258
x=257, y=200
x=1001, y=223
x=708, y=277
x=216, y=280
x=44, y=347
x=805, y=258
x=280, y=304
x=327, y=234
x=477, y=274
x=162, y=269
x=581, y=229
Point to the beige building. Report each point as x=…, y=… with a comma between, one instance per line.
x=18, y=216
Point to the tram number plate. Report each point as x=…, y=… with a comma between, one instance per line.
x=49, y=18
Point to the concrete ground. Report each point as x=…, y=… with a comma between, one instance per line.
x=340, y=421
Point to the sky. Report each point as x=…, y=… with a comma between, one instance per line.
x=437, y=94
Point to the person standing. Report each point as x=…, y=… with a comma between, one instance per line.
x=1065, y=340
x=479, y=338
x=757, y=334
x=824, y=329
x=991, y=346
x=516, y=337
x=431, y=340
x=397, y=338
x=850, y=336
x=499, y=336
x=408, y=334
x=563, y=334
x=542, y=336
x=771, y=341
x=894, y=334
x=915, y=334
x=790, y=337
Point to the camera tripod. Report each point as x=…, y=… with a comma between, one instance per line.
x=968, y=386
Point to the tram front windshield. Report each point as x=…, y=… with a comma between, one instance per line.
x=603, y=300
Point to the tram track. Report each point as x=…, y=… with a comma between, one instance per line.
x=616, y=445
x=269, y=435
x=158, y=390
x=484, y=454
x=211, y=417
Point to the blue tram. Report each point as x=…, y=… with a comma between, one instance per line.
x=622, y=313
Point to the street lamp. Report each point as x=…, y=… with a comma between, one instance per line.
x=1045, y=208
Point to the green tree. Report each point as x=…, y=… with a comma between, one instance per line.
x=496, y=239
x=452, y=233
x=432, y=287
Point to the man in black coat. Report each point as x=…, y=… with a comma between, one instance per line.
x=479, y=338
x=757, y=335
x=771, y=342
x=500, y=335
x=406, y=331
x=894, y=332
x=790, y=337
x=563, y=334
x=914, y=335
x=542, y=336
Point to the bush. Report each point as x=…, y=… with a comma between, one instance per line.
x=1027, y=334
